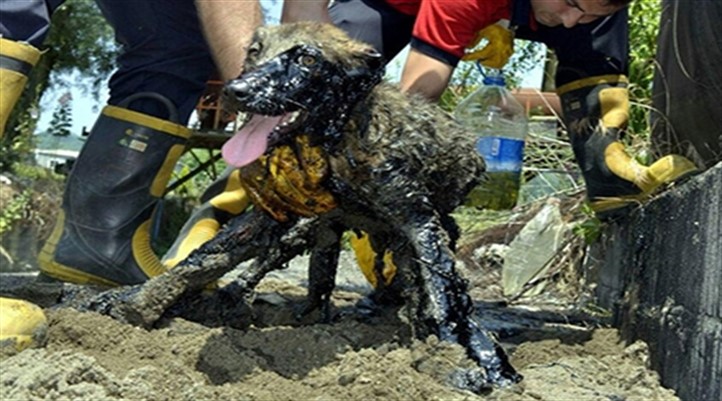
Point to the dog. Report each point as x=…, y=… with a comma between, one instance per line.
x=387, y=163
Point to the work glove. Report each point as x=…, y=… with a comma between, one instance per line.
x=498, y=50
x=367, y=259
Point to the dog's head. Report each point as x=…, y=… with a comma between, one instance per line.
x=298, y=79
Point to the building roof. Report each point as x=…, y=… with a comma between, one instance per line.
x=47, y=141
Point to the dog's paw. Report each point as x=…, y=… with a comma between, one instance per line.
x=116, y=303
x=322, y=304
x=478, y=380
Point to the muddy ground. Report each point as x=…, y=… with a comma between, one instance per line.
x=357, y=357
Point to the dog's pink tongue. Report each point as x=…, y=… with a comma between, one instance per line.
x=250, y=142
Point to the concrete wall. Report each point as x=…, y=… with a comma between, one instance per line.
x=660, y=271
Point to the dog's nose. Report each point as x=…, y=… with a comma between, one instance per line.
x=238, y=88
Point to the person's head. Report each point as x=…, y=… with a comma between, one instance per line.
x=572, y=12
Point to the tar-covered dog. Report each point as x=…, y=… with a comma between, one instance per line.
x=389, y=164
x=396, y=164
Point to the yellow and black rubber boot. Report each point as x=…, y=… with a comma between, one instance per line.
x=224, y=199
x=596, y=112
x=16, y=61
x=102, y=235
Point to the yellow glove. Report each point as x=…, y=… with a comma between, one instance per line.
x=286, y=182
x=497, y=51
x=22, y=324
x=366, y=259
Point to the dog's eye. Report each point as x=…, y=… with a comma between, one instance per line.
x=306, y=60
x=253, y=49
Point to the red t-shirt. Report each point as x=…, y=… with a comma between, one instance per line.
x=451, y=25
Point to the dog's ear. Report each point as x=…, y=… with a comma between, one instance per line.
x=369, y=72
x=374, y=60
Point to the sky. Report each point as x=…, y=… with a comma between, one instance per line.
x=86, y=108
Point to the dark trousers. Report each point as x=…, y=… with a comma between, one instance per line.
x=688, y=83
x=162, y=48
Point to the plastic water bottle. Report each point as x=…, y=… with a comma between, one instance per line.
x=492, y=113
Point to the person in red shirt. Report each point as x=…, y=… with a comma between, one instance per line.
x=589, y=38
x=439, y=31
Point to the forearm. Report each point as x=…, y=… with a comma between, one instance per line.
x=305, y=10
x=425, y=75
x=228, y=27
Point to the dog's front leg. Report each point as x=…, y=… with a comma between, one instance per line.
x=322, y=272
x=445, y=309
x=243, y=238
x=299, y=238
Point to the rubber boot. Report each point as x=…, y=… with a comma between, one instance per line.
x=102, y=235
x=596, y=112
x=16, y=61
x=224, y=199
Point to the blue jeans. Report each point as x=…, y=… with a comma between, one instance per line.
x=163, y=49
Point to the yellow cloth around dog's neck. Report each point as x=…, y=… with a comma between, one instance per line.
x=288, y=181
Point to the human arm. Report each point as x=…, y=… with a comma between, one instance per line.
x=305, y=10
x=425, y=75
x=228, y=27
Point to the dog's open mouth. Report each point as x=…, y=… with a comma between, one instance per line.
x=258, y=134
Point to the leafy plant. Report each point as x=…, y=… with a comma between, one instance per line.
x=14, y=210
x=643, y=29
x=590, y=227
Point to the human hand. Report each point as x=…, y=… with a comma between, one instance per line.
x=497, y=51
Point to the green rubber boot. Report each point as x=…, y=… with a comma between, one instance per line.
x=102, y=235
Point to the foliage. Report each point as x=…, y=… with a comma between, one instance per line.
x=14, y=211
x=81, y=40
x=26, y=198
x=590, y=227
x=15, y=150
x=191, y=161
x=643, y=29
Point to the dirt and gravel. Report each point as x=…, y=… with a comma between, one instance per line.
x=276, y=357
x=357, y=357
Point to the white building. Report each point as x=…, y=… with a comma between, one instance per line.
x=57, y=152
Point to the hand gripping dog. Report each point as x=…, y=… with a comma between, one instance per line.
x=392, y=165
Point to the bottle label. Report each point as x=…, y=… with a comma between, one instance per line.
x=501, y=154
